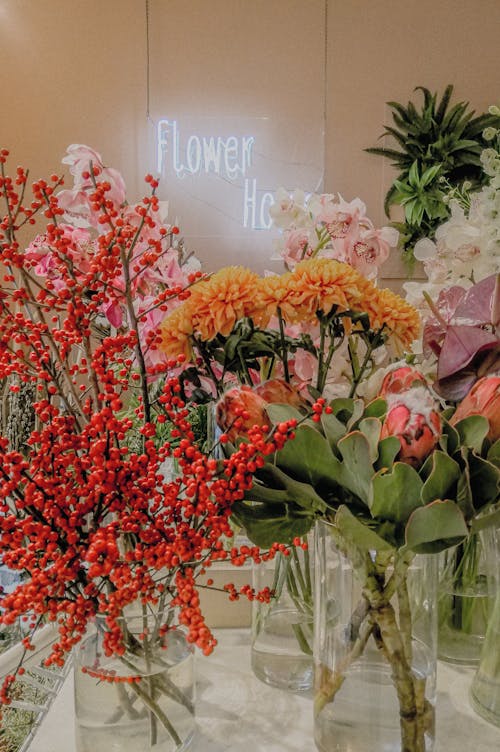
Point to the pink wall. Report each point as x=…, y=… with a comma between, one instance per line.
x=74, y=71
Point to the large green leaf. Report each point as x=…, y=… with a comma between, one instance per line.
x=396, y=494
x=265, y=524
x=274, y=486
x=484, y=480
x=435, y=527
x=308, y=458
x=443, y=476
x=358, y=533
x=473, y=431
x=279, y=413
x=388, y=450
x=355, y=472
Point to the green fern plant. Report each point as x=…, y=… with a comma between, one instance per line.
x=437, y=144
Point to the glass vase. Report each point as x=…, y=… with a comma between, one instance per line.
x=464, y=604
x=140, y=701
x=375, y=647
x=485, y=689
x=282, y=630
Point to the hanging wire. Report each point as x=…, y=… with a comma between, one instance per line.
x=148, y=85
x=325, y=88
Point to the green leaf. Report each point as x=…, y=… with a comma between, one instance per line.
x=274, y=486
x=450, y=439
x=308, y=458
x=280, y=413
x=473, y=431
x=371, y=428
x=396, y=494
x=491, y=519
x=357, y=533
x=265, y=525
x=388, y=450
x=484, y=481
x=334, y=429
x=435, y=527
x=493, y=455
x=355, y=472
x=377, y=408
x=444, y=474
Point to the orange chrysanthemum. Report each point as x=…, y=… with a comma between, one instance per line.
x=320, y=284
x=175, y=332
x=386, y=309
x=228, y=296
x=276, y=293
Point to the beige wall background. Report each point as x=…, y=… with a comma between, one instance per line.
x=75, y=71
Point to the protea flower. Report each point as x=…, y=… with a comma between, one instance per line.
x=277, y=390
x=413, y=420
x=483, y=399
x=238, y=410
x=400, y=380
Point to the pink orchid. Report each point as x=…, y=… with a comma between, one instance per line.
x=371, y=249
x=79, y=157
x=297, y=246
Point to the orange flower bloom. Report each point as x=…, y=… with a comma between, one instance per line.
x=276, y=292
x=319, y=284
x=385, y=308
x=176, y=330
x=228, y=296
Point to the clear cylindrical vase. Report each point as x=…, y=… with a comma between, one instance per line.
x=140, y=701
x=464, y=603
x=485, y=689
x=375, y=647
x=282, y=630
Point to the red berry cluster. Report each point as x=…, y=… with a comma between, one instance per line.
x=85, y=514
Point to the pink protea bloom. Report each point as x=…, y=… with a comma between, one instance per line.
x=417, y=427
x=400, y=380
x=238, y=410
x=483, y=399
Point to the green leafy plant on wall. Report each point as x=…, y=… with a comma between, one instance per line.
x=438, y=148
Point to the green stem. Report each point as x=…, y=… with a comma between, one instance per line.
x=284, y=355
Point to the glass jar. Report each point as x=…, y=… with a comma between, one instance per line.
x=375, y=647
x=141, y=701
x=485, y=689
x=464, y=603
x=282, y=630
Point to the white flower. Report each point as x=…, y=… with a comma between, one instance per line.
x=288, y=209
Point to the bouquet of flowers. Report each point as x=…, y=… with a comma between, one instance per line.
x=88, y=515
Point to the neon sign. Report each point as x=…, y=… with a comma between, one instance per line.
x=228, y=158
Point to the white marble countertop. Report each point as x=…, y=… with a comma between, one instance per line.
x=238, y=713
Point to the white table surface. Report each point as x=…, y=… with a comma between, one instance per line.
x=238, y=713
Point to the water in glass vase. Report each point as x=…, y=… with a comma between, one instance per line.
x=119, y=710
x=365, y=713
x=279, y=658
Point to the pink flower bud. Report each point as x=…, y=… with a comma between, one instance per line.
x=400, y=380
x=238, y=410
x=279, y=391
x=418, y=433
x=483, y=399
